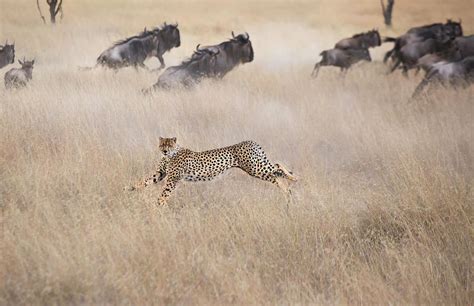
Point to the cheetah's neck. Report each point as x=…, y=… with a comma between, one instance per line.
x=175, y=151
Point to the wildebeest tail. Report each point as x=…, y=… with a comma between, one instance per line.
x=389, y=39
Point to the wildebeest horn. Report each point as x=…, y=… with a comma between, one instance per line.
x=247, y=36
x=197, y=47
x=176, y=25
x=165, y=23
x=233, y=36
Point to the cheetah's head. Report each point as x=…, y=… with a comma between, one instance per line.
x=168, y=146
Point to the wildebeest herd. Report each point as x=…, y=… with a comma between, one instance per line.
x=440, y=49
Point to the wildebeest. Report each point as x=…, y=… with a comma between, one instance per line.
x=134, y=50
x=450, y=28
x=343, y=59
x=410, y=54
x=464, y=45
x=18, y=77
x=202, y=64
x=229, y=54
x=7, y=54
x=366, y=40
x=448, y=73
x=426, y=62
x=437, y=31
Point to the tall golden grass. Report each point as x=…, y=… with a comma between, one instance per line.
x=383, y=212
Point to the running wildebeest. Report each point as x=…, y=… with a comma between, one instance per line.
x=343, y=59
x=409, y=54
x=134, y=50
x=426, y=62
x=457, y=49
x=201, y=65
x=449, y=73
x=7, y=54
x=366, y=40
x=238, y=50
x=464, y=45
x=19, y=77
x=450, y=28
x=438, y=31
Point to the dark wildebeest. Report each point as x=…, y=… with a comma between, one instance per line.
x=366, y=40
x=426, y=62
x=450, y=28
x=458, y=49
x=238, y=50
x=464, y=45
x=134, y=50
x=438, y=31
x=409, y=54
x=343, y=59
x=7, y=54
x=18, y=77
x=449, y=73
x=201, y=65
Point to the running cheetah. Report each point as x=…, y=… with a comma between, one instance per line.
x=180, y=163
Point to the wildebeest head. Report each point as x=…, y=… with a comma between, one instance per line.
x=453, y=29
x=369, y=39
x=375, y=37
x=170, y=34
x=27, y=66
x=8, y=52
x=242, y=47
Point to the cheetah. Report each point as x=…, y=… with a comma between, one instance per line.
x=183, y=164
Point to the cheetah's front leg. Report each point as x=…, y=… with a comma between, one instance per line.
x=169, y=186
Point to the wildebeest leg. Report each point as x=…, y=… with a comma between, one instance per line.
x=388, y=55
x=344, y=71
x=405, y=70
x=425, y=82
x=315, y=72
x=141, y=65
x=395, y=66
x=162, y=61
x=417, y=70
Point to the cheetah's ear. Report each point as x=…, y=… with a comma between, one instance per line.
x=173, y=139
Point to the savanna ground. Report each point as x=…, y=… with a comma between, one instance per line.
x=383, y=212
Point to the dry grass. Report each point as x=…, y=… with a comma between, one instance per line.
x=383, y=212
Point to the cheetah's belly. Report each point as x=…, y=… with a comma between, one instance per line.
x=204, y=172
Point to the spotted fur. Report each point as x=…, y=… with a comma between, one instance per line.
x=183, y=164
